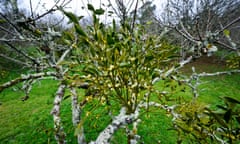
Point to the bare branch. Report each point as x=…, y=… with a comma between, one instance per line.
x=59, y=132
x=22, y=53
x=76, y=116
x=11, y=23
x=225, y=45
x=24, y=78
x=123, y=119
x=15, y=60
x=135, y=15
x=229, y=24
x=171, y=70
x=31, y=9
x=218, y=73
x=4, y=29
x=52, y=9
x=120, y=120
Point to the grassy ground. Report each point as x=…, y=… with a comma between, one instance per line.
x=30, y=121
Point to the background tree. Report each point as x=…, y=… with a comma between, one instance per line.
x=146, y=17
x=126, y=11
x=204, y=24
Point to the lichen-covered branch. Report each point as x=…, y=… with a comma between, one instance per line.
x=25, y=78
x=194, y=80
x=119, y=121
x=22, y=53
x=76, y=116
x=171, y=70
x=124, y=119
x=195, y=77
x=27, y=87
x=15, y=60
x=204, y=74
x=59, y=132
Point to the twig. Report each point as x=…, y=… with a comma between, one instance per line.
x=134, y=16
x=13, y=25
x=228, y=25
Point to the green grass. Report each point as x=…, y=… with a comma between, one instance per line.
x=213, y=88
x=30, y=121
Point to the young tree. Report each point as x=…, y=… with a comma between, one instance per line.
x=121, y=69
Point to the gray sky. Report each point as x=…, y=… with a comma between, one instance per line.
x=75, y=6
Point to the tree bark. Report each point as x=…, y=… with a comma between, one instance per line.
x=76, y=116
x=59, y=132
x=25, y=78
x=120, y=120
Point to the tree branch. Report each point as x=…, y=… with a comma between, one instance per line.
x=228, y=25
x=22, y=53
x=218, y=73
x=76, y=116
x=171, y=70
x=134, y=16
x=225, y=45
x=12, y=24
x=24, y=78
x=59, y=132
x=15, y=60
x=121, y=120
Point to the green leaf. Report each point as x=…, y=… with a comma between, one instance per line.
x=73, y=18
x=79, y=30
x=110, y=40
x=90, y=7
x=80, y=17
x=238, y=119
x=66, y=97
x=149, y=22
x=114, y=25
x=227, y=116
x=222, y=107
x=91, y=70
x=110, y=12
x=125, y=64
x=226, y=32
x=184, y=129
x=231, y=100
x=68, y=36
x=78, y=129
x=99, y=11
x=2, y=21
x=67, y=42
x=217, y=117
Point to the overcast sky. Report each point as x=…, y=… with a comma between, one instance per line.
x=41, y=6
